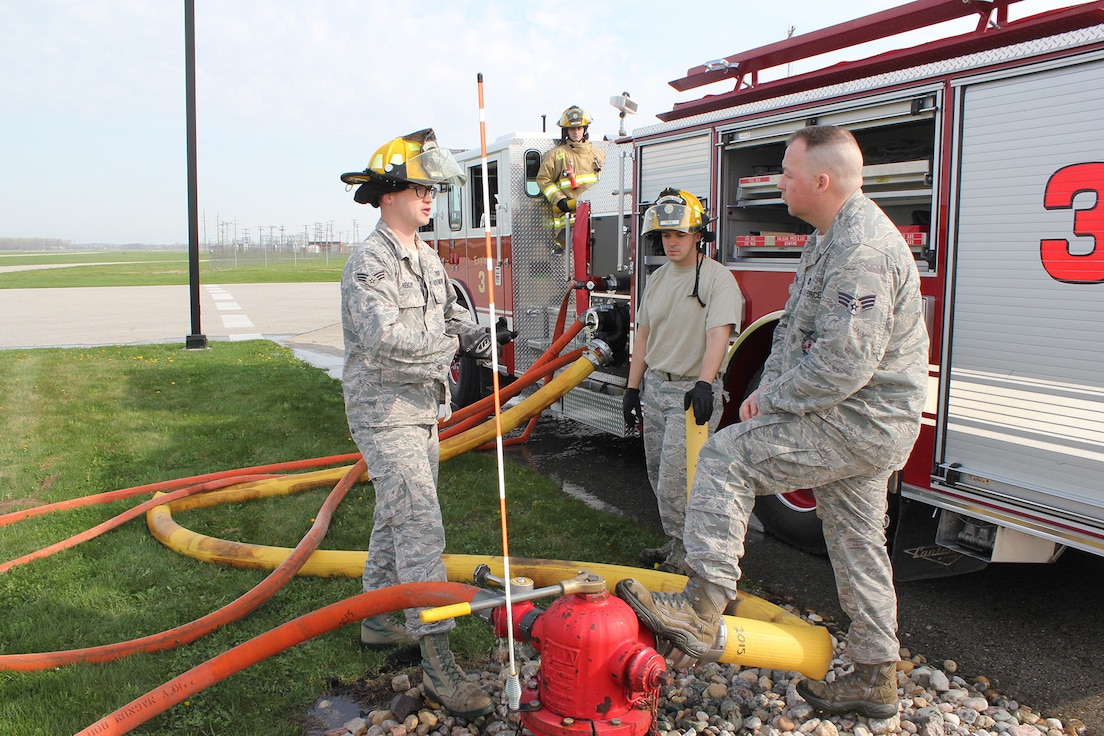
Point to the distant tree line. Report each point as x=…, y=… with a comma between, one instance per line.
x=35, y=244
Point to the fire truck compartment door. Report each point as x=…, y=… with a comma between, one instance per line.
x=1023, y=413
x=682, y=162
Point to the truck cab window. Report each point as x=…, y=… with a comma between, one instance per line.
x=475, y=182
x=532, y=168
x=455, y=208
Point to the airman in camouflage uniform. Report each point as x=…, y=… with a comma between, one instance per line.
x=402, y=327
x=837, y=411
x=401, y=324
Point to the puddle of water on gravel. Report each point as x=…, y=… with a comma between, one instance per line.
x=331, y=711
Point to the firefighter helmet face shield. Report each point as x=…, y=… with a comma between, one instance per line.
x=412, y=159
x=680, y=212
x=434, y=166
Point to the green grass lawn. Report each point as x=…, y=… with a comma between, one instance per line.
x=84, y=421
x=166, y=268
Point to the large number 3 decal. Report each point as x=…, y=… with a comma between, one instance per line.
x=1064, y=185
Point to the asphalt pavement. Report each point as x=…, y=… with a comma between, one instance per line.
x=1036, y=631
x=306, y=317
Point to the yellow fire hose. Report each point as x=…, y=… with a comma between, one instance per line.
x=696, y=435
x=760, y=634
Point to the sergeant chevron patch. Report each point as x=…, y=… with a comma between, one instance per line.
x=856, y=304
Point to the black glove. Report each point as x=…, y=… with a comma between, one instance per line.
x=503, y=335
x=476, y=344
x=630, y=408
x=564, y=205
x=701, y=396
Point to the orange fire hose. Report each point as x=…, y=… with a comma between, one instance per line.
x=120, y=519
x=294, y=632
x=560, y=319
x=232, y=611
x=169, y=485
x=511, y=418
x=485, y=406
x=531, y=376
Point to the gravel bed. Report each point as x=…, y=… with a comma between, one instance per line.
x=717, y=699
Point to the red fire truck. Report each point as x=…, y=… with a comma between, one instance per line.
x=987, y=150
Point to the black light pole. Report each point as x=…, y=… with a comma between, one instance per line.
x=196, y=340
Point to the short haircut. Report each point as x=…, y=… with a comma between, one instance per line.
x=821, y=135
x=834, y=147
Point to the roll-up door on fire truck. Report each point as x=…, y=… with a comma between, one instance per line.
x=1024, y=409
x=683, y=163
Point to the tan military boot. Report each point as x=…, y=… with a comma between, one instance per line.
x=444, y=682
x=653, y=555
x=689, y=619
x=871, y=691
x=381, y=632
x=675, y=560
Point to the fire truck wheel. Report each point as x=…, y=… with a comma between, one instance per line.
x=463, y=381
x=792, y=518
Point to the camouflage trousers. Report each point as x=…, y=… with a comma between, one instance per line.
x=408, y=534
x=665, y=443
x=776, y=453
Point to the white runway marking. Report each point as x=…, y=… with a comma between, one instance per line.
x=236, y=321
x=224, y=302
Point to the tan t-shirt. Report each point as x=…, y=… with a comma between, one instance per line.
x=677, y=323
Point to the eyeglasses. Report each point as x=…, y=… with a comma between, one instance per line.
x=420, y=190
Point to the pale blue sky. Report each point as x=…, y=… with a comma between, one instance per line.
x=291, y=93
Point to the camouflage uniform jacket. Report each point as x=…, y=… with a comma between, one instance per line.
x=852, y=346
x=400, y=319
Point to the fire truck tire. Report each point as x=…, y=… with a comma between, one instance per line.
x=791, y=518
x=464, y=383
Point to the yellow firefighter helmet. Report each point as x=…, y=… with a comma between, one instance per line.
x=574, y=117
x=410, y=159
x=675, y=210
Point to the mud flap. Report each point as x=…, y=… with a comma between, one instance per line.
x=915, y=554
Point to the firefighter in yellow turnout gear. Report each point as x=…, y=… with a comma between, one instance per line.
x=570, y=168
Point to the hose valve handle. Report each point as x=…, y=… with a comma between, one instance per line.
x=584, y=582
x=482, y=574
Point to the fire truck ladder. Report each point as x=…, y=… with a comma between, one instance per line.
x=993, y=30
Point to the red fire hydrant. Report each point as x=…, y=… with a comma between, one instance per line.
x=599, y=670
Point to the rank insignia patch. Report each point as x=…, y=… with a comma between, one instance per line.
x=371, y=279
x=856, y=304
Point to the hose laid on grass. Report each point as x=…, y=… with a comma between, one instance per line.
x=232, y=611
x=169, y=485
x=274, y=641
x=120, y=519
x=290, y=565
x=287, y=569
x=760, y=633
